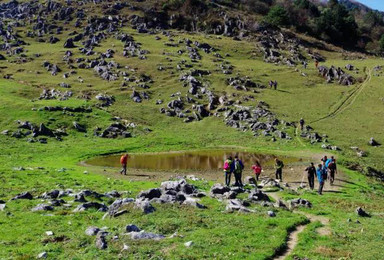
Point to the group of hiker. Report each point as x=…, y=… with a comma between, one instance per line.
x=326, y=169
x=272, y=84
x=236, y=166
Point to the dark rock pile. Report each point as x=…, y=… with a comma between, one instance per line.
x=55, y=94
x=115, y=130
x=336, y=74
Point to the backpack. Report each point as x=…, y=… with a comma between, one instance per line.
x=238, y=167
x=324, y=175
x=226, y=165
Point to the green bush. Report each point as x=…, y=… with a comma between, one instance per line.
x=278, y=16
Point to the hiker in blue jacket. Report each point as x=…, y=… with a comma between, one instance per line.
x=321, y=173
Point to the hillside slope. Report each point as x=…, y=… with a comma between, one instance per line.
x=87, y=78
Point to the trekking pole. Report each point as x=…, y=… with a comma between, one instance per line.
x=302, y=180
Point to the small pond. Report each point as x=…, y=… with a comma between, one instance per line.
x=188, y=160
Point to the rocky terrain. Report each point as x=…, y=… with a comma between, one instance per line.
x=82, y=79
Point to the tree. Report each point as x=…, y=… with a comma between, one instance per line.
x=278, y=16
x=337, y=24
x=381, y=43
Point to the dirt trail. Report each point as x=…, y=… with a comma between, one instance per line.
x=350, y=99
x=293, y=237
x=292, y=242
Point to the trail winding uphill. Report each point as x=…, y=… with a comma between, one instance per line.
x=350, y=99
x=293, y=236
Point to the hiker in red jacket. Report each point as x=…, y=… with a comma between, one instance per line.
x=123, y=161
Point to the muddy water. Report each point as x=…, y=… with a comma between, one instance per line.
x=191, y=160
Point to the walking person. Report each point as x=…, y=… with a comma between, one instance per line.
x=257, y=170
x=279, y=165
x=123, y=162
x=320, y=173
x=324, y=160
x=238, y=167
x=332, y=168
x=302, y=122
x=311, y=172
x=305, y=64
x=270, y=83
x=228, y=170
x=275, y=84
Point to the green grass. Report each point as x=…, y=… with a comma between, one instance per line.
x=215, y=234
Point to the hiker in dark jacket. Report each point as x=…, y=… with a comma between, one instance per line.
x=311, y=172
x=279, y=165
x=302, y=124
x=238, y=167
x=332, y=169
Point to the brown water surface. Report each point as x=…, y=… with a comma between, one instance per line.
x=188, y=160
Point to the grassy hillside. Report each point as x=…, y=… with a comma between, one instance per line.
x=348, y=115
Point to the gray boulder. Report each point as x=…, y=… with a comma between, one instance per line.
x=219, y=189
x=101, y=242
x=145, y=206
x=145, y=236
x=42, y=207
x=42, y=255
x=150, y=194
x=92, y=231
x=51, y=194
x=299, y=202
x=194, y=203
x=258, y=195
x=250, y=180
x=373, y=142
x=79, y=127
x=132, y=228
x=236, y=205
x=88, y=205
x=362, y=213
x=23, y=196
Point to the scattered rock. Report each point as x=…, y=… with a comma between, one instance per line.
x=88, y=205
x=269, y=183
x=189, y=243
x=236, y=205
x=24, y=195
x=42, y=255
x=42, y=207
x=373, y=142
x=219, y=189
x=79, y=127
x=271, y=214
x=92, y=231
x=250, y=180
x=362, y=213
x=101, y=242
x=145, y=206
x=258, y=195
x=194, y=203
x=299, y=202
x=145, y=236
x=150, y=194
x=132, y=228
